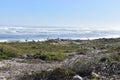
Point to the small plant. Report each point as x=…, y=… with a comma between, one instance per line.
x=82, y=50
x=106, y=59
x=114, y=49
x=116, y=57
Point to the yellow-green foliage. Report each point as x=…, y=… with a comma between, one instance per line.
x=7, y=52
x=114, y=49
x=115, y=57
x=95, y=79
x=106, y=59
x=34, y=47
x=51, y=56
x=46, y=50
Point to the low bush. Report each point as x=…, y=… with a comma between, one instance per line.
x=106, y=59
x=50, y=56
x=56, y=74
x=7, y=52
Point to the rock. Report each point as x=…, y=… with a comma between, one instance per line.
x=2, y=64
x=49, y=69
x=95, y=75
x=77, y=77
x=2, y=78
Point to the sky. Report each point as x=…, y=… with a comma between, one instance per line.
x=74, y=13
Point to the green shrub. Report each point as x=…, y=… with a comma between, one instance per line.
x=114, y=49
x=56, y=74
x=50, y=56
x=116, y=57
x=106, y=59
x=7, y=52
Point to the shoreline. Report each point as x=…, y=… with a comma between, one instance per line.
x=37, y=40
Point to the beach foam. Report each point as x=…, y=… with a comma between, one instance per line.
x=14, y=33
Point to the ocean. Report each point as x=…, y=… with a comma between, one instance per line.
x=22, y=33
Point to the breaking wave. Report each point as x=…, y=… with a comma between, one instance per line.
x=42, y=33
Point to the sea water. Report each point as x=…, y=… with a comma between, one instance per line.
x=22, y=33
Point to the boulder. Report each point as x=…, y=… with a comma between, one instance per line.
x=77, y=77
x=2, y=78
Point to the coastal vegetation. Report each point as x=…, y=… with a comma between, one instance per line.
x=91, y=59
x=39, y=50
